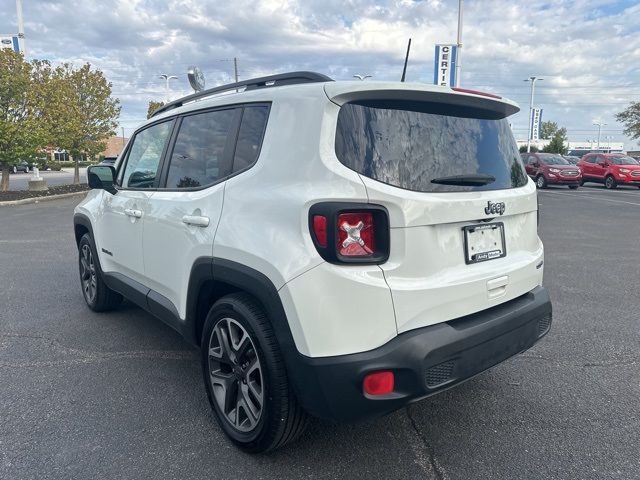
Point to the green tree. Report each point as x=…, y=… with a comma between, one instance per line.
x=548, y=129
x=89, y=115
x=23, y=110
x=153, y=106
x=630, y=117
x=532, y=148
x=557, y=143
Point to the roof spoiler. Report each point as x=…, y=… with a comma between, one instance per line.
x=345, y=92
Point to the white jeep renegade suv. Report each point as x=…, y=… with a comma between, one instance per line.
x=338, y=249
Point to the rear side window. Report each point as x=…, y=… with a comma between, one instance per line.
x=254, y=121
x=198, y=155
x=408, y=145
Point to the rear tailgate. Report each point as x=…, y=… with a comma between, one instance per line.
x=455, y=249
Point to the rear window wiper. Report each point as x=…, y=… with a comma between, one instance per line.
x=474, y=180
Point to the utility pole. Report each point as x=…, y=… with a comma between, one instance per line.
x=599, y=125
x=459, y=53
x=21, y=43
x=166, y=79
x=122, y=137
x=533, y=81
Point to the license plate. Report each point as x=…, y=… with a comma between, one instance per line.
x=484, y=242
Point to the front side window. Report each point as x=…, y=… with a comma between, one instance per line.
x=198, y=155
x=424, y=147
x=144, y=156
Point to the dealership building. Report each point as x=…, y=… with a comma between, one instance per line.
x=581, y=146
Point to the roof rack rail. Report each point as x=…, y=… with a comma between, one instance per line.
x=291, y=78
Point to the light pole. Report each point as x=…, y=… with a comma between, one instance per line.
x=21, y=43
x=533, y=81
x=166, y=79
x=361, y=77
x=599, y=125
x=459, y=54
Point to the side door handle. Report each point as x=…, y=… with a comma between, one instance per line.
x=131, y=212
x=196, y=220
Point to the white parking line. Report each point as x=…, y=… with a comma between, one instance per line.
x=582, y=195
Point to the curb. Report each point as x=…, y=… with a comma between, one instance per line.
x=25, y=201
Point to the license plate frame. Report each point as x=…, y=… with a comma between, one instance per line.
x=469, y=233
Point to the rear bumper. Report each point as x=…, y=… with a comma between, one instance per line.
x=424, y=361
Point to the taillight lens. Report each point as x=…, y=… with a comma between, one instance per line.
x=320, y=229
x=345, y=232
x=356, y=234
x=379, y=383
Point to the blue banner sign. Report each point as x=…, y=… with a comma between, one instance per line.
x=444, y=68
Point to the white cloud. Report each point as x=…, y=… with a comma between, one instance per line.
x=587, y=50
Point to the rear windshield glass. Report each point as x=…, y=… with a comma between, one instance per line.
x=551, y=159
x=407, y=146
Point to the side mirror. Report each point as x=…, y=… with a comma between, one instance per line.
x=535, y=164
x=602, y=164
x=102, y=177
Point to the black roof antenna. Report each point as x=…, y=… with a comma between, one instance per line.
x=406, y=60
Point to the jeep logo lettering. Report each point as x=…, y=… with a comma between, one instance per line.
x=494, y=208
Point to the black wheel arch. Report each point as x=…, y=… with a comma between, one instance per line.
x=212, y=278
x=81, y=225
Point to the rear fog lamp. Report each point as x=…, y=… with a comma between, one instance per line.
x=379, y=383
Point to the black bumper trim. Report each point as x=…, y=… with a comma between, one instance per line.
x=425, y=361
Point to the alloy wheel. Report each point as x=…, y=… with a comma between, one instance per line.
x=88, y=274
x=235, y=374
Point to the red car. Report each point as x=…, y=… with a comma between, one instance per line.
x=551, y=169
x=611, y=169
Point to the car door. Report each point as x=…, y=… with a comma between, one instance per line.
x=599, y=167
x=527, y=160
x=587, y=166
x=120, y=221
x=185, y=212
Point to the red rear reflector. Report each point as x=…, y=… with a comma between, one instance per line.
x=475, y=92
x=378, y=383
x=356, y=234
x=320, y=229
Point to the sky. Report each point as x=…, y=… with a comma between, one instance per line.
x=587, y=51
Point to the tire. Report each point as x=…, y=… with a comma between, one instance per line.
x=98, y=296
x=573, y=187
x=610, y=182
x=239, y=377
x=541, y=182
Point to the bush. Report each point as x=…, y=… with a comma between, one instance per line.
x=72, y=163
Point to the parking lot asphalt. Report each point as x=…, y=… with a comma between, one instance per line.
x=20, y=180
x=120, y=395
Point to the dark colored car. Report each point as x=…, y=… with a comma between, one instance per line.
x=109, y=161
x=610, y=169
x=551, y=169
x=21, y=166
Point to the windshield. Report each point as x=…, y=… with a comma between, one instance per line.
x=623, y=160
x=550, y=159
x=416, y=150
